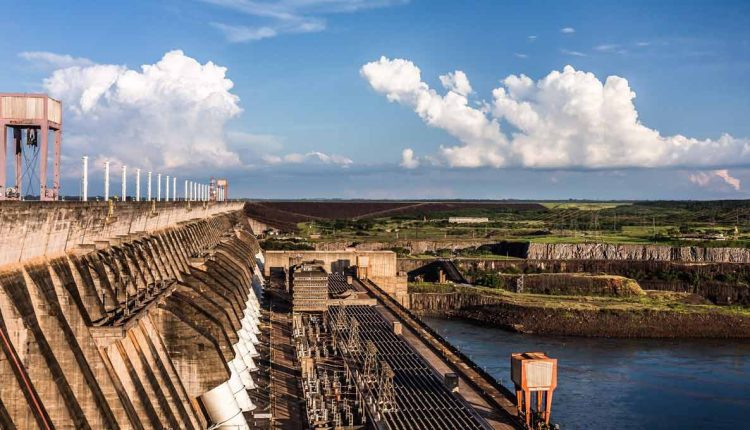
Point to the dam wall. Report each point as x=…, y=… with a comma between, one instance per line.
x=148, y=325
x=38, y=229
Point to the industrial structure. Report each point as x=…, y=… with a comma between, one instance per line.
x=534, y=374
x=30, y=118
x=309, y=286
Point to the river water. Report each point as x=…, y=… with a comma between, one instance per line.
x=624, y=383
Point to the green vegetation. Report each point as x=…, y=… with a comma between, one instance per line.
x=285, y=245
x=718, y=223
x=650, y=301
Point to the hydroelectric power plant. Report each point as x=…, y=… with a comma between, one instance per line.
x=159, y=312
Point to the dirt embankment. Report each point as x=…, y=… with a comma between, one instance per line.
x=583, y=320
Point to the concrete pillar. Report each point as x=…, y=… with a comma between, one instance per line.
x=106, y=180
x=158, y=187
x=84, y=177
x=186, y=196
x=166, y=193
x=174, y=189
x=124, y=183
x=138, y=185
x=148, y=187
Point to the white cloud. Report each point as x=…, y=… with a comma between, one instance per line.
x=532, y=38
x=606, y=47
x=700, y=178
x=313, y=156
x=51, y=60
x=408, y=160
x=167, y=115
x=239, y=33
x=519, y=55
x=729, y=179
x=573, y=53
x=567, y=30
x=704, y=178
x=400, y=81
x=261, y=142
x=456, y=82
x=287, y=16
x=568, y=119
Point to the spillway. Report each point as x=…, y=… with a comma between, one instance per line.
x=127, y=315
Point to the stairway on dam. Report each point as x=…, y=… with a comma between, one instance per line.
x=133, y=315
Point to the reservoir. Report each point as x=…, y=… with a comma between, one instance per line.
x=624, y=383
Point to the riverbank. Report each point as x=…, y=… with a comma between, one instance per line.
x=656, y=314
x=654, y=384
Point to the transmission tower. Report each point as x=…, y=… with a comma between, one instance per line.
x=371, y=361
x=353, y=343
x=387, y=395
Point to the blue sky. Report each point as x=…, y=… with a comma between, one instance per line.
x=314, y=125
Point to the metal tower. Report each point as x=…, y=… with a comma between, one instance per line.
x=30, y=117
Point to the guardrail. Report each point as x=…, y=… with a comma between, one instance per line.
x=480, y=381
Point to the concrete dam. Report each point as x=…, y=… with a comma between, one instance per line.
x=169, y=315
x=128, y=315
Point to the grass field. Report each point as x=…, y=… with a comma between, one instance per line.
x=723, y=223
x=652, y=300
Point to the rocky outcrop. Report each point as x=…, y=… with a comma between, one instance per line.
x=610, y=251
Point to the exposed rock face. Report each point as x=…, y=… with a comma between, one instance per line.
x=608, y=251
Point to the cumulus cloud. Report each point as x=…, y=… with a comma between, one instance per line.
x=51, y=60
x=287, y=16
x=568, y=119
x=400, y=80
x=408, y=160
x=567, y=30
x=166, y=115
x=313, y=156
x=456, y=82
